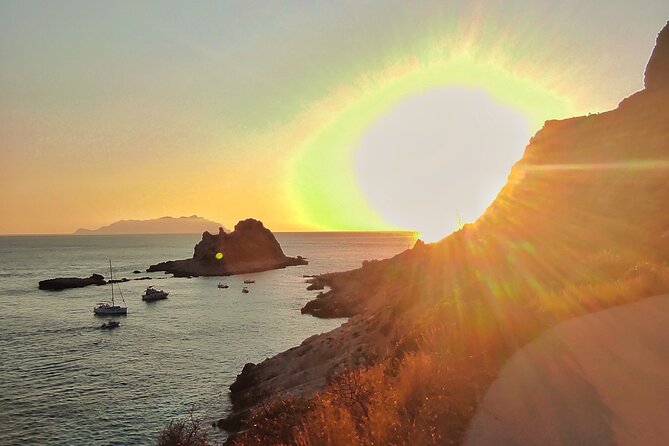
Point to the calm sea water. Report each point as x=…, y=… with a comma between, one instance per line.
x=63, y=381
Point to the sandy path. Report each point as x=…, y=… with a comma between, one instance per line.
x=600, y=379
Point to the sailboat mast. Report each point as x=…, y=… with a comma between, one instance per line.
x=111, y=277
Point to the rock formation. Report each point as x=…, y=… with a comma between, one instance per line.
x=658, y=66
x=61, y=283
x=249, y=248
x=590, y=184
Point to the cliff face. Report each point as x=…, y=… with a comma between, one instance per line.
x=658, y=66
x=249, y=248
x=587, y=188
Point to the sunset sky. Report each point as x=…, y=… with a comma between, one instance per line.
x=348, y=115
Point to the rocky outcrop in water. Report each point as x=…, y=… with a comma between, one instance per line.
x=585, y=185
x=249, y=248
x=61, y=283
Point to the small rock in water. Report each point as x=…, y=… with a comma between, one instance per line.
x=62, y=283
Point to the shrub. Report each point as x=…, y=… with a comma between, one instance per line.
x=186, y=431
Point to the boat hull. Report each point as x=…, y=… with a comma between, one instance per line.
x=154, y=297
x=110, y=311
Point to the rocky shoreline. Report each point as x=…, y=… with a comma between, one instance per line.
x=372, y=332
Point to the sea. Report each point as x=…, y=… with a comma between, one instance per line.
x=65, y=381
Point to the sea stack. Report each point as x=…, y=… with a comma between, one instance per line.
x=251, y=247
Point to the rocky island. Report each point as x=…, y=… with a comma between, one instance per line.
x=251, y=247
x=581, y=225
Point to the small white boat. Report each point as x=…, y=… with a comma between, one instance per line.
x=109, y=325
x=249, y=281
x=245, y=290
x=222, y=285
x=110, y=308
x=151, y=294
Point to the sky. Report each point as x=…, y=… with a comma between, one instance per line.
x=308, y=115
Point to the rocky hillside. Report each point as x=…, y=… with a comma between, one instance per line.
x=581, y=224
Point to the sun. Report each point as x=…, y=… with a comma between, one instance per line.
x=419, y=147
x=438, y=158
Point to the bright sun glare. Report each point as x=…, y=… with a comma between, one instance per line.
x=439, y=157
x=425, y=146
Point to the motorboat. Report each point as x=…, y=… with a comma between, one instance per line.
x=151, y=294
x=109, y=325
x=110, y=308
x=245, y=290
x=249, y=281
x=222, y=285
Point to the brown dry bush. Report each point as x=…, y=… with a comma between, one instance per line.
x=186, y=431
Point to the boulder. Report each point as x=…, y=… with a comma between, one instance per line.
x=316, y=283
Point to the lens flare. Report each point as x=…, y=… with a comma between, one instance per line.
x=324, y=186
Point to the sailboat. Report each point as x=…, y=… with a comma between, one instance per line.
x=111, y=309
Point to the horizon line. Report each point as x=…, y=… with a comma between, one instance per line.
x=332, y=231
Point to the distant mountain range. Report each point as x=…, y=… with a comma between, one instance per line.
x=163, y=225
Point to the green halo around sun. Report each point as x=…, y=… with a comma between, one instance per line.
x=323, y=184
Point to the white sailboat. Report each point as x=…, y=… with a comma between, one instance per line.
x=107, y=308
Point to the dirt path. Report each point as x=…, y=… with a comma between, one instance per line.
x=600, y=379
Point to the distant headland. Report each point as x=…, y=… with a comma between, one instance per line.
x=164, y=225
